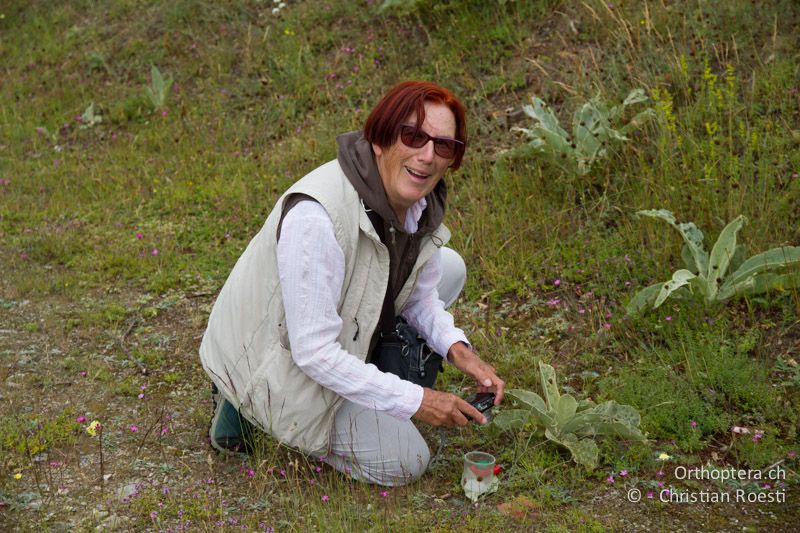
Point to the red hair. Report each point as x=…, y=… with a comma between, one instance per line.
x=406, y=98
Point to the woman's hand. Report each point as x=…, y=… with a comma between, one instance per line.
x=464, y=359
x=445, y=409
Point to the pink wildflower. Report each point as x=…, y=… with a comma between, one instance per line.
x=325, y=498
x=610, y=478
x=80, y=419
x=623, y=473
x=134, y=428
x=693, y=423
x=154, y=252
x=557, y=282
x=384, y=494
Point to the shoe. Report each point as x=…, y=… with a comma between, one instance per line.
x=229, y=431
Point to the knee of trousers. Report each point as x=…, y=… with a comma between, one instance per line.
x=454, y=276
x=400, y=470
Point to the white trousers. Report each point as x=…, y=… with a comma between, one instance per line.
x=378, y=448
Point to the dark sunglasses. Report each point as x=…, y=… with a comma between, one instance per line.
x=413, y=137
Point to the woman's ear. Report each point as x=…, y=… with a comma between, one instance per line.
x=377, y=150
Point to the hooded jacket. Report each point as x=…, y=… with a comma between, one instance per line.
x=245, y=349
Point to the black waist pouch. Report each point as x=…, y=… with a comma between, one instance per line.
x=405, y=354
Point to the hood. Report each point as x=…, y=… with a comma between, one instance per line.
x=357, y=160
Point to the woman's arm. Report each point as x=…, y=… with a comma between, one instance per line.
x=311, y=267
x=425, y=310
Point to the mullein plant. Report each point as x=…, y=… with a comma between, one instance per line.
x=159, y=88
x=568, y=422
x=596, y=129
x=707, y=277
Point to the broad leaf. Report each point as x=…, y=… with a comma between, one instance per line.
x=636, y=96
x=721, y=255
x=679, y=279
x=549, y=385
x=608, y=418
x=775, y=259
x=567, y=405
x=584, y=451
x=535, y=404
x=541, y=112
x=692, y=236
x=511, y=419
x=644, y=299
x=761, y=283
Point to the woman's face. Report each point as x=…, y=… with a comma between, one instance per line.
x=409, y=174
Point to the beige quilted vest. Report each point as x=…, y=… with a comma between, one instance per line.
x=245, y=349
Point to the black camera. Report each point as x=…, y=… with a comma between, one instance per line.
x=482, y=401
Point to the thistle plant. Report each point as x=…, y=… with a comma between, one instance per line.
x=706, y=276
x=596, y=128
x=159, y=88
x=568, y=422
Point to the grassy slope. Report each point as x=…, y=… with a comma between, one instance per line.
x=257, y=102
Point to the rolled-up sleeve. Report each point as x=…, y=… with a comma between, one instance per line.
x=425, y=310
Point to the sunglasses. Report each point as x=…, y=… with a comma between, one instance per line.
x=413, y=137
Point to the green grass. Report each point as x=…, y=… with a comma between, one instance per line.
x=116, y=238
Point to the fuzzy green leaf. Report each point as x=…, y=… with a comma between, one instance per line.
x=549, y=385
x=511, y=419
x=679, y=279
x=785, y=257
x=636, y=96
x=761, y=283
x=540, y=112
x=643, y=300
x=584, y=451
x=535, y=404
x=721, y=255
x=608, y=418
x=567, y=406
x=692, y=236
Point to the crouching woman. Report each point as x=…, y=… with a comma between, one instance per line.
x=299, y=341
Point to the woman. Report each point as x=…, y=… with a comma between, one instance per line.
x=291, y=332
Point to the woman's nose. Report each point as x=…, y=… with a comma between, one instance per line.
x=427, y=152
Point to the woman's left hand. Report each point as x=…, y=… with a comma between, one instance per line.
x=464, y=359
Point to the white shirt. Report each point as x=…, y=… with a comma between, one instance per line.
x=311, y=268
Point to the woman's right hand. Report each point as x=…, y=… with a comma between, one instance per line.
x=446, y=409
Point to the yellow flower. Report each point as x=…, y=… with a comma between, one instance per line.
x=92, y=429
x=18, y=475
x=664, y=457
